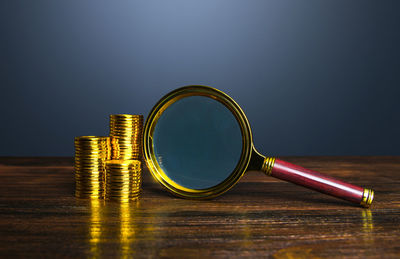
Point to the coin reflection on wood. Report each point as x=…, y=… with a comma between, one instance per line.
x=95, y=227
x=91, y=152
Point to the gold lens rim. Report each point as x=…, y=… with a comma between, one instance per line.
x=160, y=176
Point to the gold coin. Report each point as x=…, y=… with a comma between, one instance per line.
x=91, y=153
x=123, y=179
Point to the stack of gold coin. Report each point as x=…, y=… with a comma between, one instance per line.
x=123, y=180
x=126, y=136
x=91, y=152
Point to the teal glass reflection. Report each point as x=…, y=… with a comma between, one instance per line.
x=197, y=142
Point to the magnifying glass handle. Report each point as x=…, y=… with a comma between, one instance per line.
x=317, y=181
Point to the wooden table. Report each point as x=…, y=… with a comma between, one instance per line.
x=259, y=217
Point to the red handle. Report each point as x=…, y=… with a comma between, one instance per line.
x=319, y=182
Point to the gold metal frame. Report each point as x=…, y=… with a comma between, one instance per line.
x=247, y=147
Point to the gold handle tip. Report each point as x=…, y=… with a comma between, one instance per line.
x=268, y=164
x=368, y=197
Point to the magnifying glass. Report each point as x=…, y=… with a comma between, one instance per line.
x=197, y=143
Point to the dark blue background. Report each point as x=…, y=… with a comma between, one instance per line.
x=314, y=77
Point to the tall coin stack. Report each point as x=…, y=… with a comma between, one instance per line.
x=123, y=180
x=91, y=152
x=126, y=135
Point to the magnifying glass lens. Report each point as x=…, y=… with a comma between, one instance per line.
x=197, y=142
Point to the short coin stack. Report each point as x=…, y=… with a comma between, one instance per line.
x=126, y=135
x=91, y=152
x=123, y=180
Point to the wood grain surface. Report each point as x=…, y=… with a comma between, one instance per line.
x=261, y=217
